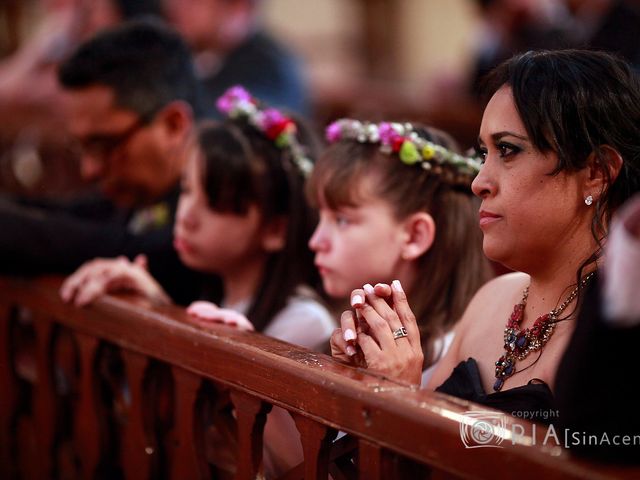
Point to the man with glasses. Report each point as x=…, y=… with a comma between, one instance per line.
x=132, y=99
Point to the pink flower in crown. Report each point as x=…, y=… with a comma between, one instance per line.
x=333, y=133
x=387, y=133
x=271, y=116
x=232, y=97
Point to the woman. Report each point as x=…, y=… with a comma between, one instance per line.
x=560, y=140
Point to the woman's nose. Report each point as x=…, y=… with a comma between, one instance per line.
x=484, y=184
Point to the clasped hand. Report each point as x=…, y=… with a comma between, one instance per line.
x=368, y=328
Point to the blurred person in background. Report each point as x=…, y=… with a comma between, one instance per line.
x=132, y=98
x=33, y=140
x=503, y=28
x=611, y=25
x=606, y=336
x=231, y=48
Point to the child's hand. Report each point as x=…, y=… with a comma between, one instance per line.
x=207, y=312
x=104, y=275
x=391, y=345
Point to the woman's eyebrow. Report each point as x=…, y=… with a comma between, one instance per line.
x=500, y=135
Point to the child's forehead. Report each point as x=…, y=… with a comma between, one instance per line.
x=356, y=192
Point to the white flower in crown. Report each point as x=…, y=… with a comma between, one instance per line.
x=401, y=138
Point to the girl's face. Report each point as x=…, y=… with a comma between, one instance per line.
x=357, y=244
x=527, y=216
x=208, y=240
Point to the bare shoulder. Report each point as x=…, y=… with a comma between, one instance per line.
x=509, y=282
x=493, y=297
x=482, y=320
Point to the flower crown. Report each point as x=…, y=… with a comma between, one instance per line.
x=401, y=138
x=237, y=102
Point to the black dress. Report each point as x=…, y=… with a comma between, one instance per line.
x=534, y=398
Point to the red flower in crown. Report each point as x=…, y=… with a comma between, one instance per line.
x=396, y=143
x=273, y=123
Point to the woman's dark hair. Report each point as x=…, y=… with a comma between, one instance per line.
x=574, y=103
x=451, y=271
x=242, y=167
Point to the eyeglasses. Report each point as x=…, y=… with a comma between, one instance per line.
x=102, y=147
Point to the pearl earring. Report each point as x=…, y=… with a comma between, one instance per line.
x=589, y=200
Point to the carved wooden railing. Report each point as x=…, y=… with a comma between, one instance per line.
x=123, y=390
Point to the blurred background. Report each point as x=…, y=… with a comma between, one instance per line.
x=418, y=60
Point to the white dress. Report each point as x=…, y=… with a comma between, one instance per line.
x=441, y=345
x=304, y=320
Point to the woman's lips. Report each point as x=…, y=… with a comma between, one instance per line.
x=487, y=218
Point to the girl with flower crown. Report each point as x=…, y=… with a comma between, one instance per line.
x=242, y=216
x=560, y=142
x=395, y=203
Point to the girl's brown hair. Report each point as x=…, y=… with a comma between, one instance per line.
x=451, y=271
x=242, y=167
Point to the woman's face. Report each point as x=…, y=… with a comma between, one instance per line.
x=208, y=240
x=357, y=244
x=527, y=215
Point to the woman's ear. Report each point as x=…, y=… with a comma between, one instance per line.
x=419, y=234
x=603, y=168
x=274, y=234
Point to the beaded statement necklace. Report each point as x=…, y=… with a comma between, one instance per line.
x=519, y=344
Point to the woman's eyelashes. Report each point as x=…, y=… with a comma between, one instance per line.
x=481, y=152
x=507, y=149
x=504, y=149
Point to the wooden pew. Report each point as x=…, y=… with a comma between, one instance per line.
x=124, y=390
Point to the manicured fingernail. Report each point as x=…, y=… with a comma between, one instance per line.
x=396, y=286
x=351, y=351
x=357, y=300
x=379, y=284
x=349, y=335
x=368, y=288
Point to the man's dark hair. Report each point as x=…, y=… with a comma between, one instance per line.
x=135, y=8
x=146, y=63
